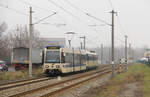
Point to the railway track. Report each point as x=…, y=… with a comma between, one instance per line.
x=22, y=82
x=98, y=74
x=34, y=85
x=18, y=83
x=75, y=84
x=62, y=85
x=12, y=82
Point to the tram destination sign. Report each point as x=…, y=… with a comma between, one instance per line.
x=53, y=47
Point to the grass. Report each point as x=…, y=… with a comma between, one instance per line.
x=147, y=82
x=136, y=73
x=19, y=74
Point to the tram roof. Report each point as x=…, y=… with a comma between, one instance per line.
x=78, y=51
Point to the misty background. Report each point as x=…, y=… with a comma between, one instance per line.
x=77, y=16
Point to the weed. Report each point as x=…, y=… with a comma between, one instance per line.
x=136, y=73
x=19, y=74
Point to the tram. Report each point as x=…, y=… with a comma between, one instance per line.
x=58, y=60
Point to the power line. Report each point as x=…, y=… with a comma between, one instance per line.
x=91, y=40
x=98, y=19
x=119, y=39
x=66, y=22
x=67, y=11
x=30, y=4
x=86, y=13
x=121, y=27
x=111, y=4
x=77, y=8
x=16, y=11
x=45, y=18
x=19, y=12
x=64, y=10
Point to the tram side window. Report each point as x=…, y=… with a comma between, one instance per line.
x=79, y=58
x=87, y=57
x=83, y=59
x=42, y=57
x=90, y=58
x=96, y=58
x=76, y=59
x=62, y=57
x=68, y=58
x=93, y=58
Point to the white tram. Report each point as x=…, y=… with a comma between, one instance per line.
x=57, y=60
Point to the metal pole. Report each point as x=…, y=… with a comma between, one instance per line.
x=118, y=55
x=130, y=52
x=126, y=50
x=12, y=56
x=69, y=43
x=109, y=56
x=112, y=43
x=101, y=53
x=133, y=56
x=84, y=42
x=81, y=45
x=30, y=44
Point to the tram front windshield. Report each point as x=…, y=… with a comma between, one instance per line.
x=52, y=57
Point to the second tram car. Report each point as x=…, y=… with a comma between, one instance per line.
x=57, y=60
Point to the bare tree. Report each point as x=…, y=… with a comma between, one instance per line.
x=20, y=37
x=3, y=27
x=3, y=41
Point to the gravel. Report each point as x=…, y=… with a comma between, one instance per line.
x=82, y=89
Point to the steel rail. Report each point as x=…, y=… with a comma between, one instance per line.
x=75, y=84
x=17, y=81
x=58, y=83
x=22, y=82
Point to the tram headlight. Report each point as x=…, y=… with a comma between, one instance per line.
x=57, y=66
x=46, y=66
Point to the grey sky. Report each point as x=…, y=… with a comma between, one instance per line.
x=134, y=17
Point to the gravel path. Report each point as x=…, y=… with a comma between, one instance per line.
x=131, y=90
x=9, y=92
x=82, y=89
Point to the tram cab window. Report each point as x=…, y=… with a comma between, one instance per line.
x=52, y=57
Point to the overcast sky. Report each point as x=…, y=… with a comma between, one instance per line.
x=134, y=16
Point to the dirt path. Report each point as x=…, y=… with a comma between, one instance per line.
x=125, y=84
x=83, y=89
x=131, y=90
x=129, y=87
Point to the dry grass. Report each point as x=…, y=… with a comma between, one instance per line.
x=37, y=72
x=138, y=73
x=19, y=74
